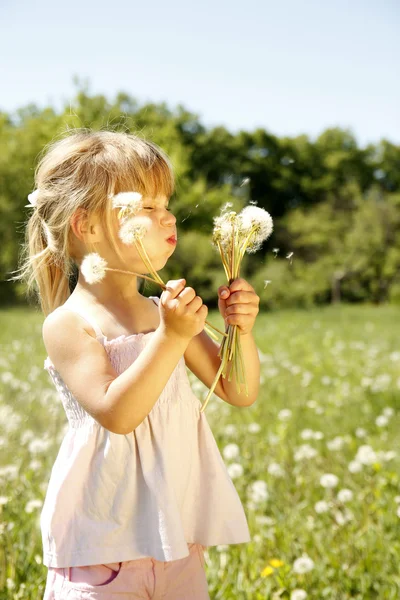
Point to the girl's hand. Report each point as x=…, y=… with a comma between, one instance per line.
x=182, y=313
x=239, y=306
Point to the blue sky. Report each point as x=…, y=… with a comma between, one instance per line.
x=288, y=67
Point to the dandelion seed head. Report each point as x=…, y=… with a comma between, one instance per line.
x=93, y=268
x=130, y=231
x=131, y=201
x=257, y=222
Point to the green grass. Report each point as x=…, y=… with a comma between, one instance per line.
x=333, y=372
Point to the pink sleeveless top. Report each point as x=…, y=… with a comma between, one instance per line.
x=114, y=498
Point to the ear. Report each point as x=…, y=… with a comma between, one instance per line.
x=84, y=228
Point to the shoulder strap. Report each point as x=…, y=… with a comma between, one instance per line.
x=88, y=319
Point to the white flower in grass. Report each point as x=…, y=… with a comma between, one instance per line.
x=345, y=495
x=265, y=520
x=388, y=411
x=284, y=414
x=298, y=594
x=366, y=455
x=230, y=429
x=130, y=231
x=235, y=470
x=93, y=268
x=397, y=499
x=276, y=470
x=129, y=202
x=258, y=221
x=304, y=564
x=4, y=500
x=32, y=504
x=328, y=480
x=258, y=491
x=398, y=511
x=355, y=466
x=321, y=507
x=381, y=421
x=304, y=452
x=254, y=428
x=361, y=432
x=231, y=451
x=336, y=444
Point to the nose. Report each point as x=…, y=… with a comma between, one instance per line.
x=168, y=219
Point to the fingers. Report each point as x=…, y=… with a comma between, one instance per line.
x=187, y=295
x=242, y=297
x=174, y=287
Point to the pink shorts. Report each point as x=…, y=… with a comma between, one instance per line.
x=143, y=578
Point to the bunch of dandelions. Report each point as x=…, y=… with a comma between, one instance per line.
x=130, y=232
x=233, y=235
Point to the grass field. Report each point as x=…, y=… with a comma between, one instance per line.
x=316, y=459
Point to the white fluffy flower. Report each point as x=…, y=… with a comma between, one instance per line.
x=298, y=594
x=32, y=197
x=129, y=202
x=224, y=229
x=361, y=432
x=328, y=480
x=321, y=506
x=231, y=451
x=258, y=222
x=284, y=414
x=258, y=491
x=304, y=452
x=275, y=470
x=93, y=267
x=32, y=504
x=366, y=455
x=336, y=443
x=381, y=421
x=304, y=564
x=235, y=470
x=130, y=231
x=345, y=495
x=254, y=427
x=355, y=466
x=230, y=429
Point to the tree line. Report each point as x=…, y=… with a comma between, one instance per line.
x=335, y=206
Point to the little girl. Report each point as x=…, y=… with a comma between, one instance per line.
x=139, y=488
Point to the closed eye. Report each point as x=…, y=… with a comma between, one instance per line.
x=151, y=208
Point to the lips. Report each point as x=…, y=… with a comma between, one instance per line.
x=172, y=240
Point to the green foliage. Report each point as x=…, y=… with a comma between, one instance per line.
x=334, y=205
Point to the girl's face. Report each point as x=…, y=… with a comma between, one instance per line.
x=160, y=223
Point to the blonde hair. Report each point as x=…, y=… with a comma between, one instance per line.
x=81, y=171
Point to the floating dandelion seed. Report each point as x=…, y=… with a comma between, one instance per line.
x=290, y=257
x=266, y=282
x=275, y=251
x=245, y=181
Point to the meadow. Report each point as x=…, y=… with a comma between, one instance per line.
x=315, y=460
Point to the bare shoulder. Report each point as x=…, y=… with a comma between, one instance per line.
x=61, y=324
x=79, y=358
